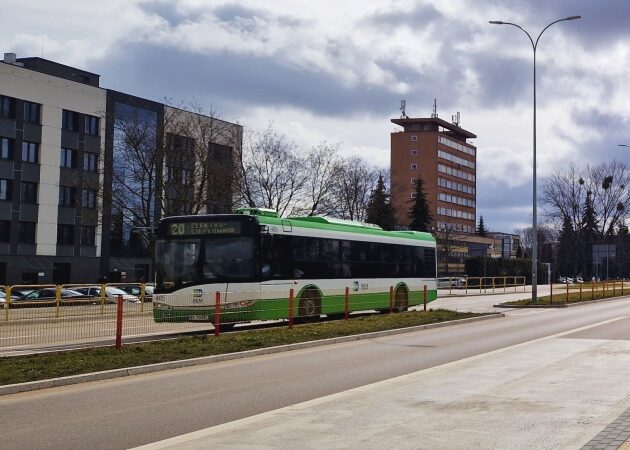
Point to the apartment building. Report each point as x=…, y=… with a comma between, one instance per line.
x=51, y=131
x=75, y=205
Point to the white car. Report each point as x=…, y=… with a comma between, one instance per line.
x=111, y=293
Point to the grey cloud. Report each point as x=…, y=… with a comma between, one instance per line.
x=236, y=79
x=603, y=22
x=167, y=10
x=232, y=12
x=494, y=204
x=418, y=17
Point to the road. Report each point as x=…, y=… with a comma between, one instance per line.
x=123, y=413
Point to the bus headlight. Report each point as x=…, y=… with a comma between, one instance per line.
x=162, y=306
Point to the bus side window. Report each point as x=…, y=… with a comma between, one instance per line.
x=280, y=257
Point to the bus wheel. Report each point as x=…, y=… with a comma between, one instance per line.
x=401, y=299
x=310, y=305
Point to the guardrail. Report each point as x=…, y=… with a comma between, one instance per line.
x=95, y=321
x=480, y=285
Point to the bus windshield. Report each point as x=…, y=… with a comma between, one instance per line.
x=192, y=261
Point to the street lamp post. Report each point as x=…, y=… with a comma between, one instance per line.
x=535, y=217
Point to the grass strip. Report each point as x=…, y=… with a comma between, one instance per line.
x=574, y=297
x=21, y=369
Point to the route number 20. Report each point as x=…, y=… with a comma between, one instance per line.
x=177, y=228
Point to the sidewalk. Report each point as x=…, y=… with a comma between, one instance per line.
x=556, y=392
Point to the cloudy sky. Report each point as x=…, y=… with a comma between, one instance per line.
x=336, y=70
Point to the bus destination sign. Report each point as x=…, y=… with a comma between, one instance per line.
x=203, y=228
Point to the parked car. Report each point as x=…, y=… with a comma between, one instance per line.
x=451, y=282
x=50, y=294
x=21, y=292
x=111, y=293
x=566, y=280
x=3, y=298
x=135, y=289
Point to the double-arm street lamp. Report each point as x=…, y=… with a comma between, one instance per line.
x=535, y=218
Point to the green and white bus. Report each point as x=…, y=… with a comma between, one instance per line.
x=254, y=258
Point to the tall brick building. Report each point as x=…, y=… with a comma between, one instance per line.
x=437, y=151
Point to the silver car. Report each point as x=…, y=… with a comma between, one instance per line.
x=111, y=293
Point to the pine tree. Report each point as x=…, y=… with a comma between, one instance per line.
x=588, y=233
x=419, y=213
x=481, y=228
x=380, y=210
x=566, y=248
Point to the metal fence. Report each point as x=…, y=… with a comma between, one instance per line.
x=62, y=322
x=480, y=285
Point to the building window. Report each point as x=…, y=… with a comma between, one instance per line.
x=65, y=234
x=30, y=152
x=7, y=107
x=414, y=152
x=29, y=192
x=88, y=235
x=5, y=189
x=89, y=161
x=88, y=199
x=91, y=125
x=67, y=157
x=414, y=166
x=67, y=196
x=31, y=112
x=414, y=138
x=414, y=194
x=27, y=232
x=5, y=230
x=185, y=176
x=414, y=181
x=6, y=148
x=69, y=120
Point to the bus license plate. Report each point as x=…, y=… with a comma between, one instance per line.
x=199, y=318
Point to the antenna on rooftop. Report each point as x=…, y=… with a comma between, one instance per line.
x=434, y=114
x=403, y=106
x=455, y=119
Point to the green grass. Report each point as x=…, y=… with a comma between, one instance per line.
x=20, y=369
x=588, y=294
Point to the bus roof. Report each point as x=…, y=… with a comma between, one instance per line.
x=270, y=217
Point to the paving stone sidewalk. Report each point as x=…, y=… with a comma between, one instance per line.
x=614, y=436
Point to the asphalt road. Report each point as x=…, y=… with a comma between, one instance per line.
x=123, y=413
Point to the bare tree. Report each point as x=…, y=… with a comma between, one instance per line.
x=272, y=173
x=564, y=195
x=351, y=192
x=202, y=153
x=611, y=199
x=449, y=238
x=181, y=163
x=138, y=153
x=323, y=167
x=547, y=236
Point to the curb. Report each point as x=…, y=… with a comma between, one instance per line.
x=561, y=305
x=138, y=370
